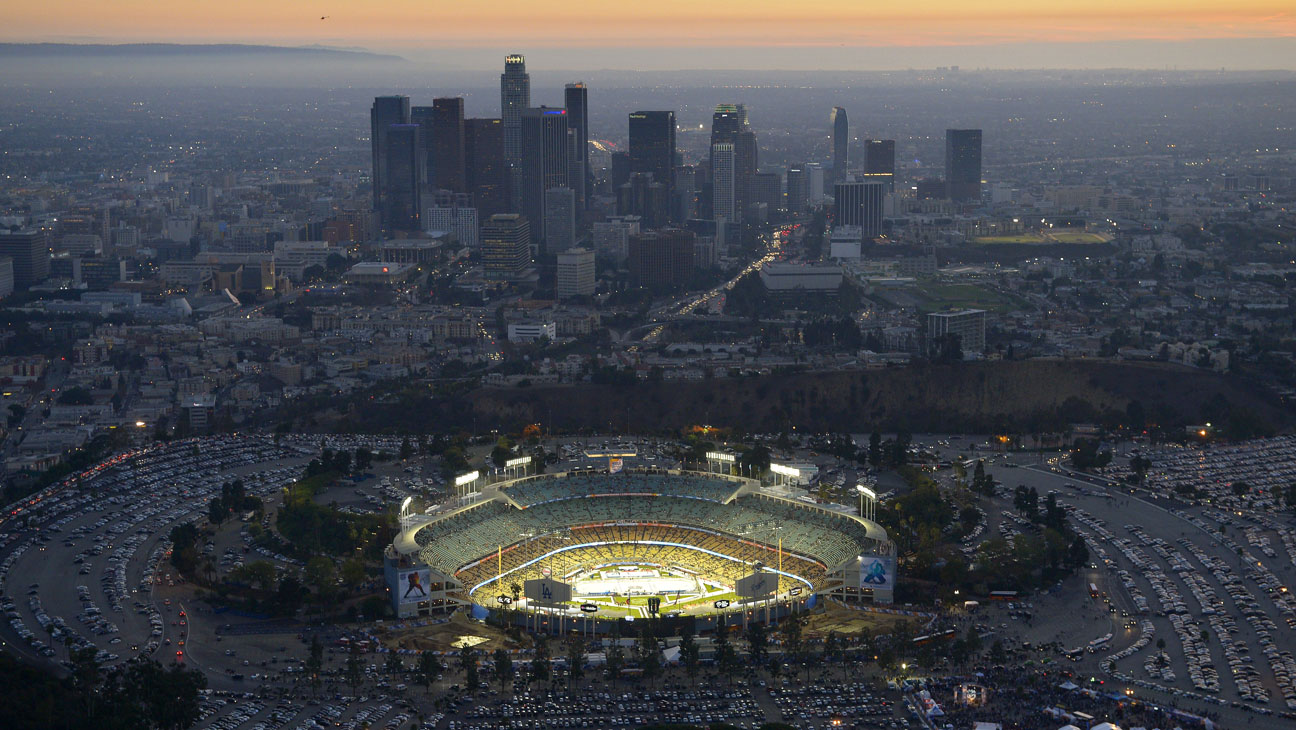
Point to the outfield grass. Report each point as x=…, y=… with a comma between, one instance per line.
x=1041, y=239
x=1018, y=238
x=1078, y=237
x=961, y=296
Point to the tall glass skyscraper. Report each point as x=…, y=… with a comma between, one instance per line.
x=545, y=160
x=576, y=100
x=515, y=96
x=386, y=111
x=652, y=147
x=963, y=164
x=841, y=142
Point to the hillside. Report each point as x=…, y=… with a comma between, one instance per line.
x=968, y=397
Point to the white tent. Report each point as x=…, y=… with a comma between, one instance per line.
x=1105, y=726
x=1068, y=727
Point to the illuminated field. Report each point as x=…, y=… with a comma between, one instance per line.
x=1043, y=239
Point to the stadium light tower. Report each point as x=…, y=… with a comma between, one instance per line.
x=404, y=515
x=871, y=496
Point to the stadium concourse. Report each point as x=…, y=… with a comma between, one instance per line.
x=698, y=543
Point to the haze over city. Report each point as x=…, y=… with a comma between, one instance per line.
x=671, y=366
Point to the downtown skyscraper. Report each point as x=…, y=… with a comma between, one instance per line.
x=652, y=147
x=729, y=126
x=963, y=164
x=515, y=96
x=447, y=145
x=545, y=162
x=576, y=100
x=840, y=142
x=385, y=112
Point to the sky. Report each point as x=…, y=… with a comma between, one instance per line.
x=693, y=34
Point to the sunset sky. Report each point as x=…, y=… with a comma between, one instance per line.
x=434, y=28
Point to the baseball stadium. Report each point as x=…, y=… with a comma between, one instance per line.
x=631, y=544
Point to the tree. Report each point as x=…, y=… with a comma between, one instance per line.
x=1239, y=488
x=468, y=663
x=793, y=642
x=315, y=661
x=575, y=662
x=354, y=573
x=757, y=643
x=503, y=666
x=648, y=652
x=393, y=663
x=353, y=670
x=615, y=655
x=690, y=655
x=429, y=668
x=141, y=694
x=406, y=449
x=540, y=669
x=875, y=450
x=516, y=590
x=726, y=658
x=320, y=572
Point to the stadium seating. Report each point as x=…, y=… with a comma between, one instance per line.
x=686, y=509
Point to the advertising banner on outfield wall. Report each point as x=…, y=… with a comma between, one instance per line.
x=877, y=572
x=413, y=585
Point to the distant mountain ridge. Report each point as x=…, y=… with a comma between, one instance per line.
x=124, y=50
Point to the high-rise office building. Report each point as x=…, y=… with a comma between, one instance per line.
x=841, y=142
x=963, y=164
x=30, y=252
x=425, y=117
x=879, y=161
x=576, y=274
x=403, y=165
x=968, y=325
x=722, y=182
x=6, y=276
x=798, y=190
x=447, y=144
x=685, y=188
x=485, y=172
x=576, y=101
x=545, y=157
x=559, y=220
x=729, y=125
x=453, y=213
x=643, y=196
x=859, y=204
x=652, y=146
x=515, y=96
x=767, y=189
x=662, y=259
x=386, y=111
x=506, y=246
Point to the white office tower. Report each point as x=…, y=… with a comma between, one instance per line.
x=722, y=188
x=576, y=273
x=460, y=222
x=612, y=237
x=815, y=182
x=844, y=242
x=559, y=219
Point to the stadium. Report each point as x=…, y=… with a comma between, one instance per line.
x=632, y=544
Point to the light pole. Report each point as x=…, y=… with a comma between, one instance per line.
x=871, y=496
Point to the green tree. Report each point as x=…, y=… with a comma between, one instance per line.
x=353, y=670
x=468, y=663
x=393, y=663
x=429, y=668
x=690, y=654
x=757, y=643
x=726, y=658
x=575, y=662
x=315, y=662
x=875, y=450
x=540, y=667
x=503, y=667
